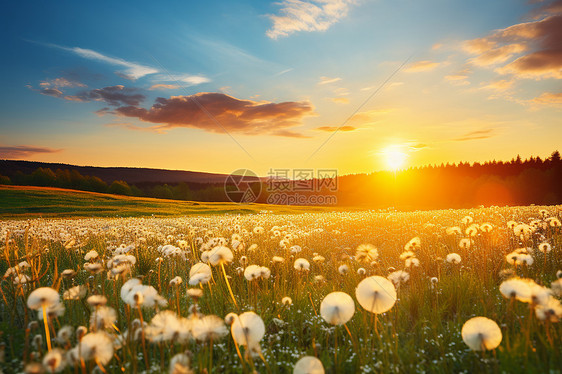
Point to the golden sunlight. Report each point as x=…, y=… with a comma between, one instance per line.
x=394, y=157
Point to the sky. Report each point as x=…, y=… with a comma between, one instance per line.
x=217, y=86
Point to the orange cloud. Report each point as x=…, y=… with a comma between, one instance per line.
x=164, y=87
x=335, y=128
x=23, y=151
x=218, y=112
x=340, y=100
x=537, y=43
x=548, y=98
x=422, y=66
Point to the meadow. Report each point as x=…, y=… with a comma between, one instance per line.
x=306, y=292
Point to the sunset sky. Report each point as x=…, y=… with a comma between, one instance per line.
x=220, y=85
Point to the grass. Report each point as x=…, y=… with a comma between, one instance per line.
x=420, y=334
x=49, y=202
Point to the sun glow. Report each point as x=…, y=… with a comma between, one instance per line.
x=394, y=157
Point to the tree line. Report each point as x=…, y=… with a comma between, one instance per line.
x=516, y=182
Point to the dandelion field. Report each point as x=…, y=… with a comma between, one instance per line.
x=370, y=292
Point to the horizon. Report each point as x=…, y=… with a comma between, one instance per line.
x=357, y=86
x=397, y=170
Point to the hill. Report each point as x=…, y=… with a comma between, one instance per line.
x=32, y=202
x=109, y=174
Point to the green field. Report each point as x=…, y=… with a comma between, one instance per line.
x=156, y=294
x=26, y=202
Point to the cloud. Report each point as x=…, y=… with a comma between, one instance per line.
x=51, y=92
x=307, y=15
x=132, y=70
x=548, y=98
x=476, y=135
x=340, y=100
x=164, y=87
x=369, y=116
x=23, y=151
x=130, y=126
x=328, y=80
x=499, y=85
x=536, y=46
x=112, y=95
x=336, y=128
x=422, y=66
x=187, y=79
x=61, y=82
x=216, y=112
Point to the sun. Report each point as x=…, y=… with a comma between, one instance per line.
x=394, y=157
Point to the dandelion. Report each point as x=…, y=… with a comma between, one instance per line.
x=252, y=272
x=209, y=328
x=220, y=255
x=455, y=230
x=481, y=333
x=176, y=281
x=453, y=258
x=516, y=288
x=180, y=364
x=248, y=329
x=277, y=259
x=343, y=269
x=318, y=259
x=68, y=273
x=44, y=298
x=554, y=222
x=399, y=277
x=465, y=243
x=96, y=300
x=556, y=287
x=467, y=220
x=286, y=301
x=308, y=365
x=413, y=244
x=200, y=273
x=104, y=317
x=376, y=294
x=92, y=255
x=550, y=311
x=361, y=271
x=471, y=230
x=97, y=346
x=54, y=361
x=486, y=227
x=412, y=262
x=64, y=334
x=337, y=308
x=545, y=247
x=302, y=264
x=366, y=253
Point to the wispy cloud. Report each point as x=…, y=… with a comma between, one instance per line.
x=421, y=66
x=132, y=70
x=23, y=151
x=328, y=80
x=336, y=128
x=307, y=15
x=340, y=100
x=476, y=135
x=548, y=98
x=161, y=86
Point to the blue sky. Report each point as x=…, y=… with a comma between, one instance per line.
x=265, y=84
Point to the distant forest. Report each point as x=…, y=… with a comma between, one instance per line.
x=464, y=185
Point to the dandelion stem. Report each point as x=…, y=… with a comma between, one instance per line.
x=228, y=285
x=47, y=334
